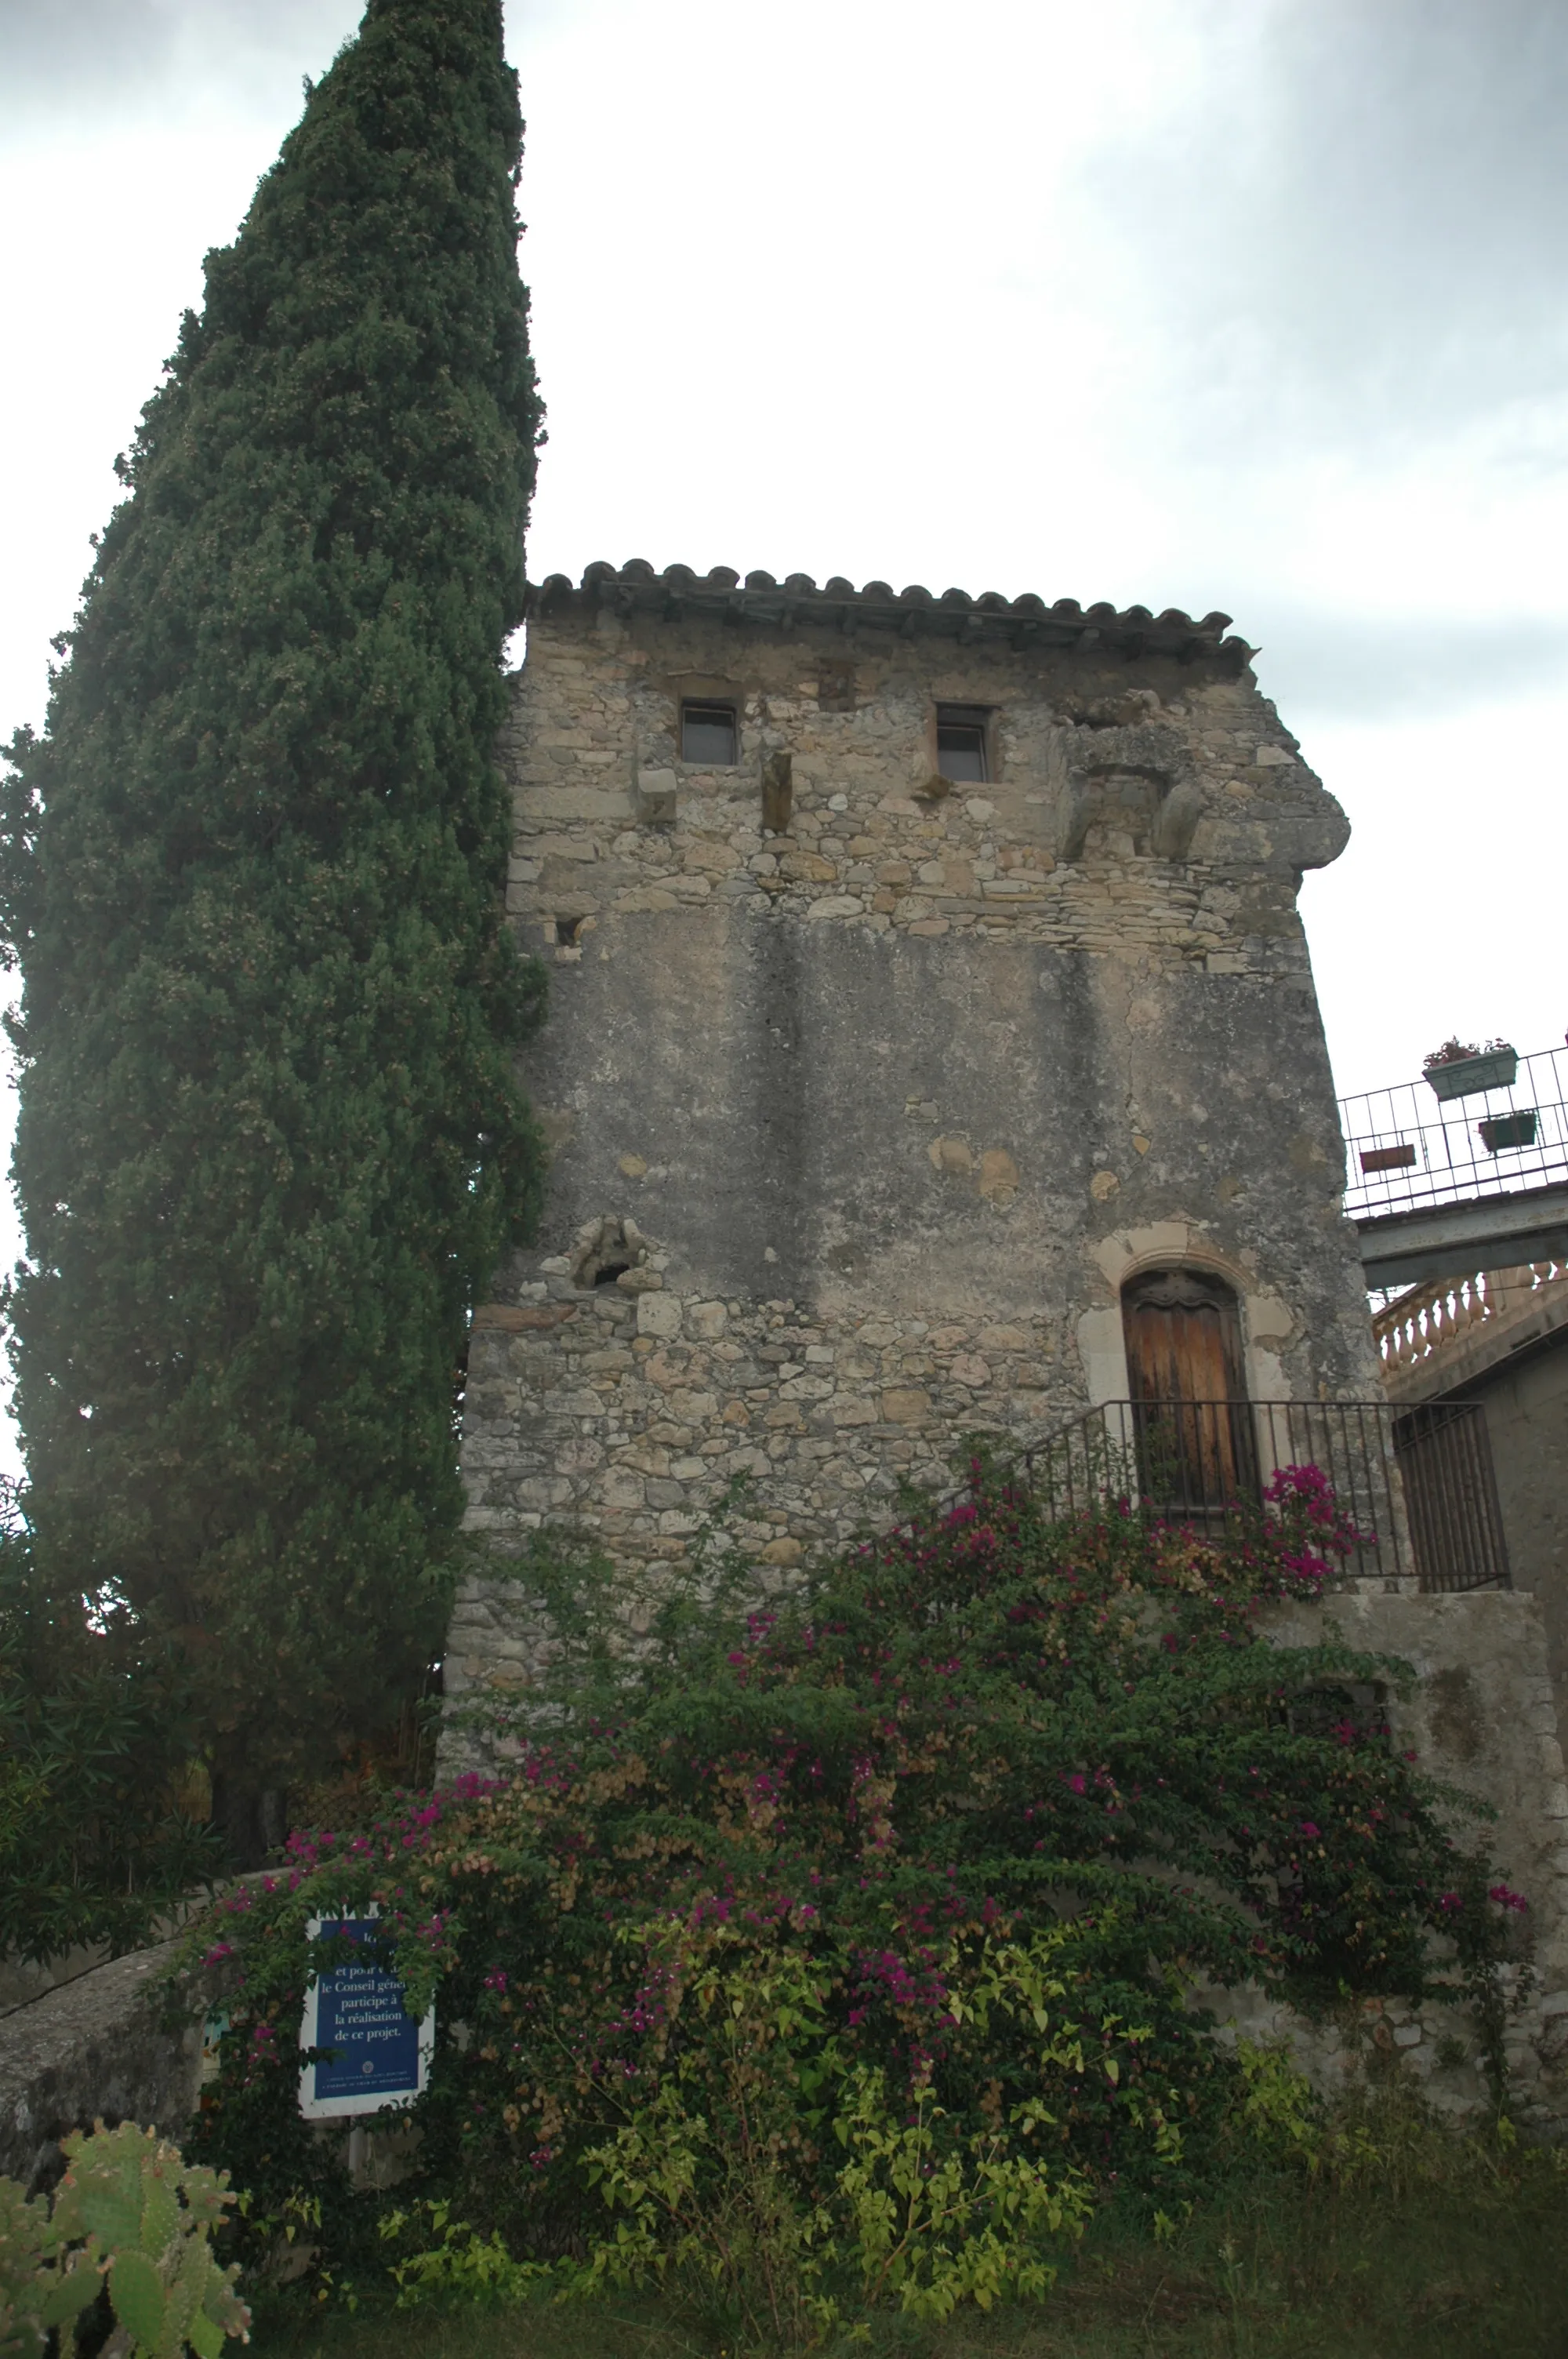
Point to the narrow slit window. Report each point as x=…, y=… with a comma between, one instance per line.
x=708, y=735
x=961, y=745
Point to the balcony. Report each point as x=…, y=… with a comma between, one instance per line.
x=1452, y=1331
x=1464, y=1169
x=1407, y=1147
x=1417, y=1483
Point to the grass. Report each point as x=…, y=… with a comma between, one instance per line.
x=1468, y=2263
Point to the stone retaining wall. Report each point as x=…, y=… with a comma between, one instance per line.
x=92, y=2048
x=1482, y=1718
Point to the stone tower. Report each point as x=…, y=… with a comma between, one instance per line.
x=924, y=969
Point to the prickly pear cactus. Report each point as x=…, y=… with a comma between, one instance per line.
x=128, y=2211
x=42, y=2286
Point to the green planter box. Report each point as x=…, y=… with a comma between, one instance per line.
x=1506, y=1130
x=1494, y=1070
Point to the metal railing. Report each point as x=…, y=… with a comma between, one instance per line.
x=1445, y=1455
x=1416, y=1485
x=1487, y=1129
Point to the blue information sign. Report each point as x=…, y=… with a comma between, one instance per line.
x=380, y=2054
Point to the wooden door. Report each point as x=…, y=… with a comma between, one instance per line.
x=1185, y=1368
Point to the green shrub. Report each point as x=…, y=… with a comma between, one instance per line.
x=845, y=1951
x=130, y=2219
x=96, y=1735
x=271, y=1140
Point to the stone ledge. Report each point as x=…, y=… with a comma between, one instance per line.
x=93, y=2046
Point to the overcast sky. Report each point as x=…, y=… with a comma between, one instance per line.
x=1256, y=304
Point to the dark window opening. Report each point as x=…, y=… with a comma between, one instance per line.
x=961, y=745
x=606, y=1249
x=708, y=735
x=567, y=929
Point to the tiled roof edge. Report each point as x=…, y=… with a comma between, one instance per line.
x=1024, y=622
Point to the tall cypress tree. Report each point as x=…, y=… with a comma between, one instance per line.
x=271, y=1138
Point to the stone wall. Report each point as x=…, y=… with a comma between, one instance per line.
x=1481, y=1717
x=94, y=2049
x=1527, y=1419
x=874, y=1092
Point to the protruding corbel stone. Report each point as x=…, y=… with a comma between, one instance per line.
x=1074, y=811
x=778, y=791
x=1176, y=820
x=657, y=796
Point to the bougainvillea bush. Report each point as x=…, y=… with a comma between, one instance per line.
x=852, y=1945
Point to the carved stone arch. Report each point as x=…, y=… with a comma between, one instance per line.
x=607, y=1249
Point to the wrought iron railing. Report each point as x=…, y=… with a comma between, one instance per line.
x=1497, y=1125
x=1416, y=1485
x=1445, y=1455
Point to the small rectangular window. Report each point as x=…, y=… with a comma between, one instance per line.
x=708, y=735
x=962, y=744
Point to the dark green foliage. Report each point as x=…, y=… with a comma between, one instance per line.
x=1465, y=2256
x=97, y=1835
x=270, y=1139
x=939, y=1855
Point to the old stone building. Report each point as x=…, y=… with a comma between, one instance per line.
x=925, y=970
x=933, y=1049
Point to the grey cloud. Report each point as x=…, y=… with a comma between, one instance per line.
x=60, y=58
x=1360, y=222
x=1329, y=667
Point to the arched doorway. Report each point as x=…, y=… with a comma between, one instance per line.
x=1186, y=1376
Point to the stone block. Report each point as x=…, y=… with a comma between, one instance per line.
x=704, y=1322
x=659, y=1315
x=657, y=798
x=597, y=805
x=807, y=868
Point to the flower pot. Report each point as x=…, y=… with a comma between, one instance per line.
x=1506, y=1130
x=1494, y=1070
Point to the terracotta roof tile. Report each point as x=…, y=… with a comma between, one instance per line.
x=1023, y=621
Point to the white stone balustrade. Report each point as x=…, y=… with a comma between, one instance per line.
x=1435, y=1318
